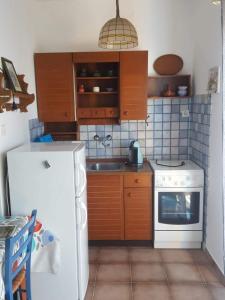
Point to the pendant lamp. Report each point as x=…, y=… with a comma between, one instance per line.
x=118, y=33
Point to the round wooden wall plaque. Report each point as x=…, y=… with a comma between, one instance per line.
x=169, y=64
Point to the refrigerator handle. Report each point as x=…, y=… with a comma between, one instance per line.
x=83, y=172
x=84, y=208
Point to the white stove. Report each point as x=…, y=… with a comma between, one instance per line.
x=178, y=204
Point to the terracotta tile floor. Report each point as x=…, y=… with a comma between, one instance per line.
x=138, y=273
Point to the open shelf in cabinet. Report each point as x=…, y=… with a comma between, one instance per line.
x=97, y=107
x=157, y=85
x=62, y=131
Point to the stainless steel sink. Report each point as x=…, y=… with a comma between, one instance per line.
x=104, y=166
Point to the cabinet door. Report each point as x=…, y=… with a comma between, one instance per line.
x=55, y=87
x=105, y=207
x=133, y=85
x=138, y=213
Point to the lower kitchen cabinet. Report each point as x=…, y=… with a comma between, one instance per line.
x=105, y=207
x=138, y=213
x=120, y=206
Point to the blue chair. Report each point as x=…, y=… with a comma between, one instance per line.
x=14, y=277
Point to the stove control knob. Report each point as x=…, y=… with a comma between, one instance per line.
x=175, y=182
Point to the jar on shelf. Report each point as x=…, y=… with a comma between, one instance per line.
x=81, y=89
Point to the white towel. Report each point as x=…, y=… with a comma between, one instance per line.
x=47, y=258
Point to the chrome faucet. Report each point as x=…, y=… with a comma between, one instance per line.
x=104, y=140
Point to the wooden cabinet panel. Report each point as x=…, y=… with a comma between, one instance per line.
x=55, y=87
x=137, y=180
x=112, y=112
x=95, y=57
x=138, y=213
x=105, y=207
x=133, y=85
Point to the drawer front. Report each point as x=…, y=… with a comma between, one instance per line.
x=138, y=180
x=98, y=113
x=111, y=112
x=84, y=113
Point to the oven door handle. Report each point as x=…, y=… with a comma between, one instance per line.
x=178, y=189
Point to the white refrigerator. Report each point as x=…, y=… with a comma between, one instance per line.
x=51, y=177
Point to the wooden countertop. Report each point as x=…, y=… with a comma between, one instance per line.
x=146, y=168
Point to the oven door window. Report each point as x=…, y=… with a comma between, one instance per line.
x=179, y=208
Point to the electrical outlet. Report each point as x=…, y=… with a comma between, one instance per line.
x=185, y=113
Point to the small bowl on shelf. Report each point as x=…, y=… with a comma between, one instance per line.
x=109, y=89
x=182, y=90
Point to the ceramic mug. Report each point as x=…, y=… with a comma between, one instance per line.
x=96, y=89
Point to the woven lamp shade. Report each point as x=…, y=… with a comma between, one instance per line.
x=118, y=33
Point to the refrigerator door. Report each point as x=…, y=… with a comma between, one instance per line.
x=82, y=217
x=45, y=181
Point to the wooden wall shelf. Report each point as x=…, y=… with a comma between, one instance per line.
x=158, y=84
x=6, y=96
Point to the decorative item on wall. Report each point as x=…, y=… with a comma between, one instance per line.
x=169, y=64
x=118, y=33
x=216, y=2
x=214, y=80
x=10, y=74
x=13, y=86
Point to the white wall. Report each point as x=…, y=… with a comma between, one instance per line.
x=163, y=26
x=207, y=54
x=17, y=45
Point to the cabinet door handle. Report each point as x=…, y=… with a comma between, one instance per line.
x=136, y=180
x=129, y=195
x=125, y=113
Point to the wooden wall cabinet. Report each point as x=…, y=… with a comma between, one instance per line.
x=133, y=85
x=122, y=80
x=120, y=206
x=55, y=87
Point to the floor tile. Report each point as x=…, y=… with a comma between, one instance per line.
x=218, y=293
x=183, y=273
x=201, y=257
x=114, y=273
x=113, y=255
x=176, y=256
x=92, y=272
x=148, y=272
x=107, y=291
x=93, y=254
x=150, y=292
x=210, y=273
x=147, y=255
x=190, y=292
x=89, y=293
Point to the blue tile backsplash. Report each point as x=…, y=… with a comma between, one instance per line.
x=164, y=136
x=36, y=129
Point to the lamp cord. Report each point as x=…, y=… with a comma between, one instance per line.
x=117, y=9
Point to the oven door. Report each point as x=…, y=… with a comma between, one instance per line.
x=178, y=208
